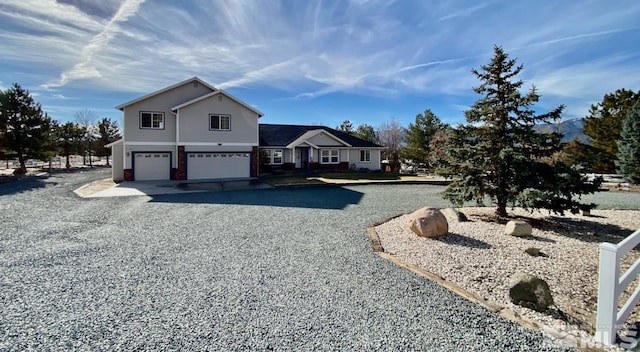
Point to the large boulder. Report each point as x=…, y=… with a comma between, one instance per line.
x=428, y=222
x=529, y=291
x=518, y=229
x=454, y=214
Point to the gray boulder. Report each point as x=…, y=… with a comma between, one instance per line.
x=428, y=222
x=454, y=214
x=518, y=229
x=529, y=291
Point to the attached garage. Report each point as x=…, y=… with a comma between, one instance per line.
x=213, y=165
x=151, y=166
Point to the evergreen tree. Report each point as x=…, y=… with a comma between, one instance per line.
x=366, y=132
x=109, y=132
x=628, y=162
x=604, y=124
x=499, y=155
x=27, y=128
x=419, y=135
x=346, y=127
x=70, y=137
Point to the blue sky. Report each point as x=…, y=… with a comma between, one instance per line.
x=316, y=62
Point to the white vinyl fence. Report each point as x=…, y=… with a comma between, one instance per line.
x=611, y=284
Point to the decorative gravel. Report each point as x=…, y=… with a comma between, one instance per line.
x=479, y=257
x=281, y=269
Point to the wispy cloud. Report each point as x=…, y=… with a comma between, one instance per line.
x=86, y=67
x=464, y=12
x=380, y=49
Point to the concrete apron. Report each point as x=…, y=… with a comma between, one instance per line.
x=101, y=189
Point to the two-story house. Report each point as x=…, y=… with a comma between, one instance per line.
x=191, y=130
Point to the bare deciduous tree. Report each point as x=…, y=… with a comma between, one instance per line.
x=391, y=137
x=87, y=119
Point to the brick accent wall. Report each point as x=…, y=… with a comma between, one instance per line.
x=255, y=162
x=127, y=174
x=343, y=166
x=181, y=172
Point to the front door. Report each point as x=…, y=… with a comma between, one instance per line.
x=304, y=158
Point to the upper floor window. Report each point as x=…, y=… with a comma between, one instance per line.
x=330, y=156
x=154, y=120
x=365, y=156
x=219, y=122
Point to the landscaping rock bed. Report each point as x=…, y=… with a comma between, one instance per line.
x=479, y=256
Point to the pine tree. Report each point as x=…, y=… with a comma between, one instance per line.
x=366, y=132
x=499, y=155
x=27, y=128
x=628, y=162
x=419, y=136
x=604, y=124
x=109, y=132
x=346, y=126
x=70, y=140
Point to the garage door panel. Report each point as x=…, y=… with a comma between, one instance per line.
x=152, y=166
x=212, y=165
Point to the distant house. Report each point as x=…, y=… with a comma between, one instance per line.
x=317, y=147
x=191, y=130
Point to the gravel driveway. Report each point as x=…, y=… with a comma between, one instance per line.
x=282, y=269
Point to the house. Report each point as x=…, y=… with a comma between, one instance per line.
x=315, y=147
x=191, y=130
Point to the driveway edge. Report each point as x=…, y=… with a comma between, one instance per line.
x=376, y=246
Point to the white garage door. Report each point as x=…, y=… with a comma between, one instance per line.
x=218, y=165
x=152, y=166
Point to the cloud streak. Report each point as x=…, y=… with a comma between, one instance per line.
x=315, y=49
x=86, y=68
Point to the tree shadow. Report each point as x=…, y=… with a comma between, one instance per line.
x=585, y=229
x=18, y=184
x=331, y=197
x=461, y=240
x=582, y=229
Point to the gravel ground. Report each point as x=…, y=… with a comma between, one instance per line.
x=479, y=257
x=285, y=269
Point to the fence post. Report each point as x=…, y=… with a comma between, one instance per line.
x=608, y=282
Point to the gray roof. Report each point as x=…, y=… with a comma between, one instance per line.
x=282, y=135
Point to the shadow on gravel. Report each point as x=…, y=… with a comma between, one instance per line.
x=312, y=197
x=460, y=240
x=586, y=230
x=14, y=185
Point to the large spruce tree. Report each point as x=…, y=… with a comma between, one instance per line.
x=419, y=135
x=498, y=155
x=27, y=128
x=604, y=124
x=628, y=162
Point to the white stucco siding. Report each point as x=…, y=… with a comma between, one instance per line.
x=210, y=148
x=117, y=172
x=195, y=122
x=322, y=139
x=162, y=102
x=354, y=159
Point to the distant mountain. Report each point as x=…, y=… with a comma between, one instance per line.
x=572, y=129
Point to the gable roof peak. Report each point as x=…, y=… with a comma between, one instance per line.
x=160, y=91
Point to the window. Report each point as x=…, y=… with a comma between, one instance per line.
x=365, y=156
x=153, y=120
x=219, y=122
x=272, y=156
x=330, y=156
